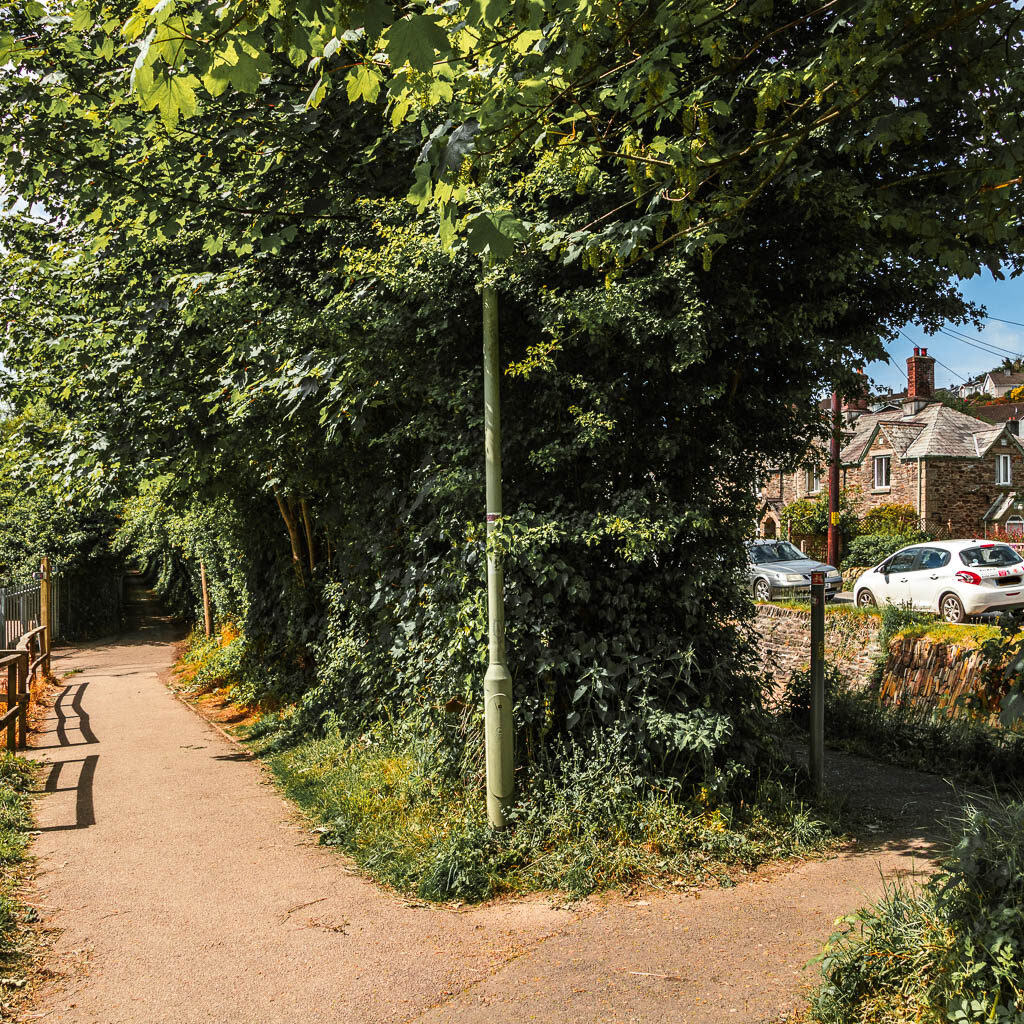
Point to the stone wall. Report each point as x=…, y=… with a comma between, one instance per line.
x=785, y=642
x=919, y=668
x=959, y=492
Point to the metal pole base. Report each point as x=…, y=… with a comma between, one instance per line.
x=498, y=731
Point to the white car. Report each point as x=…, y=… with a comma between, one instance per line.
x=955, y=578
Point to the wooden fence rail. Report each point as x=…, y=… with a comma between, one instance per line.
x=29, y=657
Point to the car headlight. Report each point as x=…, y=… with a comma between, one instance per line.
x=793, y=578
x=835, y=575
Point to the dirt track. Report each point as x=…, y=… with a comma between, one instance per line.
x=184, y=889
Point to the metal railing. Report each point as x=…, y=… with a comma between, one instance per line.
x=21, y=610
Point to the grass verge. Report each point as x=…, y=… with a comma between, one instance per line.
x=16, y=777
x=588, y=825
x=391, y=797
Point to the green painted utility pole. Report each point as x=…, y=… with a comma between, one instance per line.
x=497, y=681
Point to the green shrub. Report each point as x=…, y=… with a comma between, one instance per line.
x=890, y=519
x=795, y=702
x=808, y=517
x=871, y=548
x=952, y=950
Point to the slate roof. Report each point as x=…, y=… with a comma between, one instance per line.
x=935, y=431
x=1000, y=413
x=1001, y=379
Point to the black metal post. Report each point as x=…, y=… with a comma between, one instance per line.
x=817, y=763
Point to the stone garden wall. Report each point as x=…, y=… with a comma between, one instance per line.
x=919, y=668
x=785, y=642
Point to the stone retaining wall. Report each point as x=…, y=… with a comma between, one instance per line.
x=922, y=669
x=917, y=668
x=785, y=642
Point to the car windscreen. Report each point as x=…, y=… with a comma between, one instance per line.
x=989, y=555
x=777, y=551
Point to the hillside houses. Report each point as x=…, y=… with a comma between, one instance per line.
x=963, y=475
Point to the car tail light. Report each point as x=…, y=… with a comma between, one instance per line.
x=968, y=577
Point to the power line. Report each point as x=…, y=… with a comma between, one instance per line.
x=980, y=346
x=979, y=341
x=1016, y=323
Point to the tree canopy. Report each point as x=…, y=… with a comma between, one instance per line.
x=251, y=298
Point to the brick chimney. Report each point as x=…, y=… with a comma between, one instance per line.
x=920, y=375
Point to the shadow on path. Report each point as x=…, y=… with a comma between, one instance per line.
x=85, y=815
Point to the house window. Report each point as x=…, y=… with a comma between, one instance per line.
x=882, y=468
x=1002, y=469
x=1015, y=528
x=813, y=480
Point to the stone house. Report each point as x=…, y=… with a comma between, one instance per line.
x=959, y=472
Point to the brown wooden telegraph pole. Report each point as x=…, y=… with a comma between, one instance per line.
x=833, y=485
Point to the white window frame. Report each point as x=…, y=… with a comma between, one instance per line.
x=883, y=481
x=1017, y=533
x=813, y=480
x=1004, y=470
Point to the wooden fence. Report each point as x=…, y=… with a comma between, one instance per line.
x=28, y=616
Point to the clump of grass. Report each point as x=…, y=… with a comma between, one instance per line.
x=950, y=950
x=971, y=635
x=587, y=823
x=844, y=610
x=211, y=662
x=16, y=777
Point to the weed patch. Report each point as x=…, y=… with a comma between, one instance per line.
x=588, y=823
x=971, y=635
x=952, y=741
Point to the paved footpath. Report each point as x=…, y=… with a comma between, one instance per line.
x=183, y=889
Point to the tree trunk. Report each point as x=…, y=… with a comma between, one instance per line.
x=293, y=533
x=308, y=524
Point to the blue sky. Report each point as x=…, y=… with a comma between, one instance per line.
x=956, y=359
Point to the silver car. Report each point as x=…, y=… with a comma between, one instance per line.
x=779, y=569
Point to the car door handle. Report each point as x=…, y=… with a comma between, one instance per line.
x=934, y=577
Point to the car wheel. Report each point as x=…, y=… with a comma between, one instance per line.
x=865, y=599
x=762, y=591
x=951, y=608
